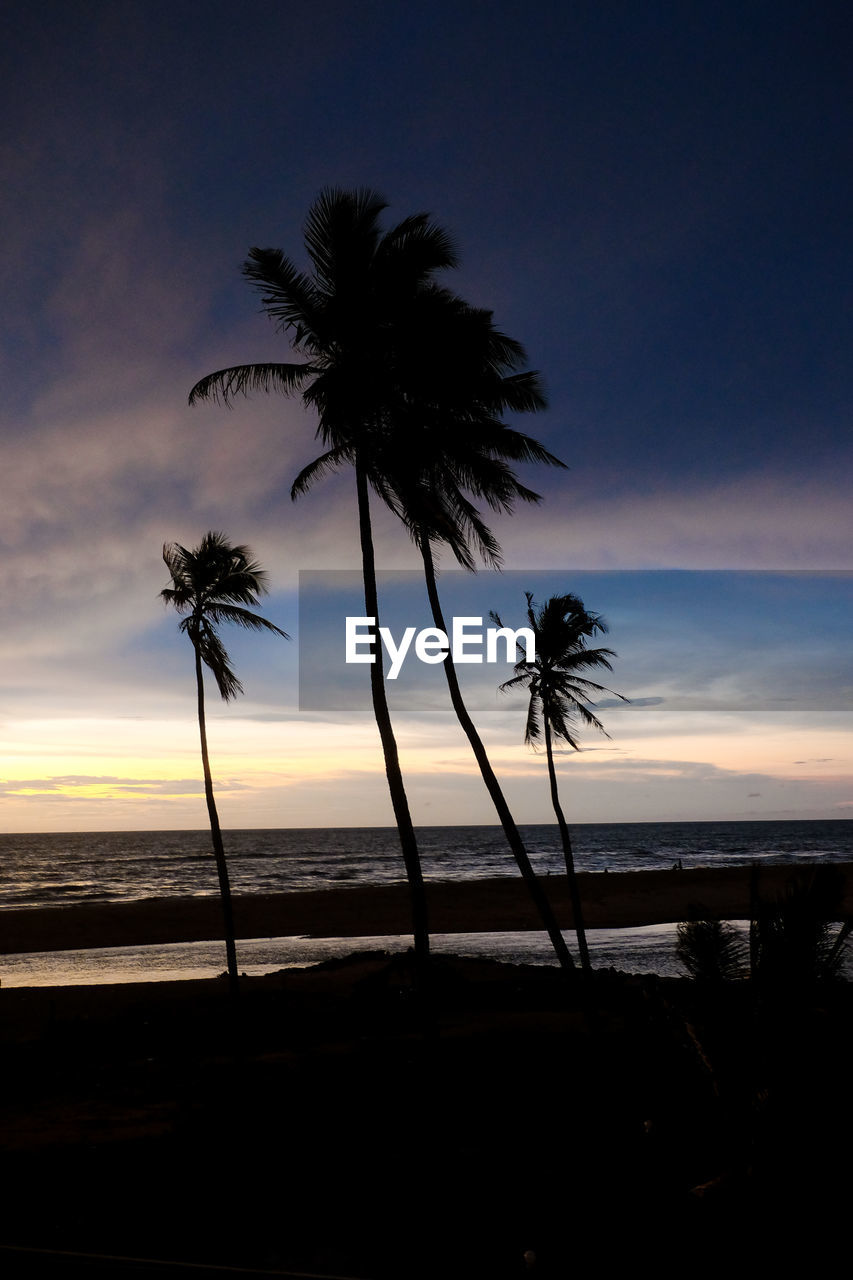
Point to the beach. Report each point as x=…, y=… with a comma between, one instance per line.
x=496, y=904
x=338, y=1122
x=343, y=1121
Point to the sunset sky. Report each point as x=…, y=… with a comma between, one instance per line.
x=654, y=198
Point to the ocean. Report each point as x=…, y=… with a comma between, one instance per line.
x=102, y=867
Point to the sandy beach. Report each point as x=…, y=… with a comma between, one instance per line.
x=500, y=904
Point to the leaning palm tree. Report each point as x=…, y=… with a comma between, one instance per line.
x=212, y=584
x=351, y=319
x=448, y=441
x=558, y=695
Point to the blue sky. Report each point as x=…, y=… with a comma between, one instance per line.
x=654, y=198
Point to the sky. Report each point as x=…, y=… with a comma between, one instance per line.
x=654, y=198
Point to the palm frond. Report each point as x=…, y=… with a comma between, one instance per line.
x=533, y=725
x=514, y=682
x=214, y=656
x=413, y=251
x=525, y=393
x=217, y=613
x=519, y=447
x=474, y=529
x=176, y=559
x=442, y=516
x=341, y=235
x=180, y=599
x=491, y=479
x=327, y=462
x=221, y=387
x=562, y=707
x=288, y=296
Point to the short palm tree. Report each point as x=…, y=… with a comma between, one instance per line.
x=213, y=584
x=711, y=950
x=558, y=695
x=355, y=319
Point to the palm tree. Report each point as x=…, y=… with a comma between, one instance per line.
x=353, y=319
x=212, y=584
x=448, y=438
x=558, y=694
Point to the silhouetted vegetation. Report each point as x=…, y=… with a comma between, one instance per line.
x=558, y=697
x=357, y=318
x=448, y=442
x=793, y=940
x=711, y=950
x=409, y=383
x=213, y=584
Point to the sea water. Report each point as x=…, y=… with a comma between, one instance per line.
x=105, y=867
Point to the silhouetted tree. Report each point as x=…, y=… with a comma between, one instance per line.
x=213, y=584
x=559, y=695
x=448, y=441
x=351, y=318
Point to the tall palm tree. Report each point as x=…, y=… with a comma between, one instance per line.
x=559, y=695
x=212, y=584
x=351, y=319
x=448, y=438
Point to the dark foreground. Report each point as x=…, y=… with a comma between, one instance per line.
x=339, y=1124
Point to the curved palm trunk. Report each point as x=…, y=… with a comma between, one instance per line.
x=574, y=894
x=216, y=836
x=411, y=857
x=493, y=787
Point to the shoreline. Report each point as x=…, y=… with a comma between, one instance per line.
x=496, y=905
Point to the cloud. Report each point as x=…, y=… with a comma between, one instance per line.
x=761, y=520
x=102, y=784
x=631, y=702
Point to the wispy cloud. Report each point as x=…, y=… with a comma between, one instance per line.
x=761, y=520
x=103, y=785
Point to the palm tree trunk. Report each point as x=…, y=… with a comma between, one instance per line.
x=216, y=836
x=411, y=857
x=493, y=787
x=574, y=894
